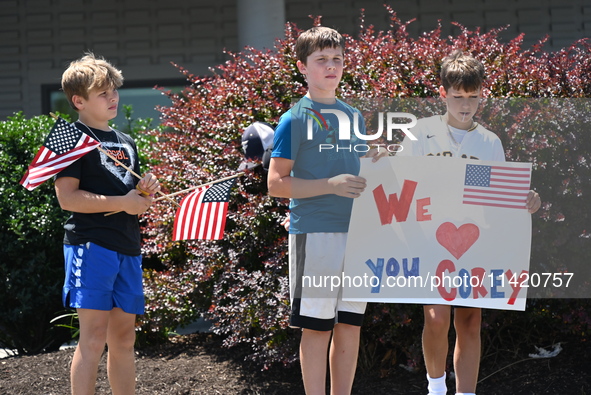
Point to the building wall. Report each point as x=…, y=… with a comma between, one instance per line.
x=38, y=38
x=563, y=20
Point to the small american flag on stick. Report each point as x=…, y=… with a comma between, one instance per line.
x=63, y=146
x=497, y=186
x=202, y=214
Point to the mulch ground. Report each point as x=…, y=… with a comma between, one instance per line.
x=197, y=364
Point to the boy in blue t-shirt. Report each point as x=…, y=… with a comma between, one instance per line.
x=319, y=172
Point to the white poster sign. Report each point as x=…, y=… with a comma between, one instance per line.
x=435, y=230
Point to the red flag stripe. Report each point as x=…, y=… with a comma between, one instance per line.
x=496, y=205
x=522, y=200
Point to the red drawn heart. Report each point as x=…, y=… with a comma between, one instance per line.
x=457, y=240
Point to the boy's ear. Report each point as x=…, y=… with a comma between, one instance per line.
x=442, y=92
x=77, y=101
x=301, y=67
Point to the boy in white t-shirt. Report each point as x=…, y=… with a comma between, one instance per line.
x=456, y=134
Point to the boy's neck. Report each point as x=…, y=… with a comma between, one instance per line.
x=94, y=123
x=324, y=99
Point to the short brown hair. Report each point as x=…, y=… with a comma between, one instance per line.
x=462, y=71
x=317, y=38
x=87, y=73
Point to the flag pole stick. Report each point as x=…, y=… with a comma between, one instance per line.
x=199, y=186
x=188, y=190
x=121, y=164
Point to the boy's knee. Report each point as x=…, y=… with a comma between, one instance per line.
x=468, y=323
x=93, y=344
x=347, y=328
x=122, y=342
x=437, y=324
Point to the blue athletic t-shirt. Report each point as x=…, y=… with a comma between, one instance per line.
x=319, y=153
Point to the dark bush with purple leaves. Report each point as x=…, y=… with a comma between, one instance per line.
x=240, y=284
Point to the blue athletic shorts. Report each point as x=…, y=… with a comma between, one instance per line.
x=100, y=279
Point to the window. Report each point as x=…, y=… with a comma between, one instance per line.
x=140, y=95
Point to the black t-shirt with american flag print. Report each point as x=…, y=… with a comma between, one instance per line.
x=101, y=175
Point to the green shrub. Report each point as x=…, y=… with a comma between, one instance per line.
x=31, y=266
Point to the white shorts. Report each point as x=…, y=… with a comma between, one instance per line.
x=315, y=268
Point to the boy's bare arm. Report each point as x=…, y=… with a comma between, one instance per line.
x=282, y=184
x=72, y=198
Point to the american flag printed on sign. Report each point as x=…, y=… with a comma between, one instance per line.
x=497, y=186
x=202, y=214
x=64, y=145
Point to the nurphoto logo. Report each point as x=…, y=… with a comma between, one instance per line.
x=344, y=130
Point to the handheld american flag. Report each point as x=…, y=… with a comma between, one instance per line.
x=498, y=186
x=202, y=214
x=63, y=146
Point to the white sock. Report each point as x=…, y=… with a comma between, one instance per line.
x=437, y=386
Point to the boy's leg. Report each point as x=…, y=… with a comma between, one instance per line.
x=467, y=322
x=314, y=257
x=98, y=282
x=344, y=350
x=313, y=358
x=435, y=341
x=93, y=336
x=120, y=357
x=313, y=309
x=128, y=299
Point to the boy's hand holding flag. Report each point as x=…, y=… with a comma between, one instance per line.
x=202, y=214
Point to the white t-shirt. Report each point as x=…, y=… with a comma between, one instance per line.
x=435, y=139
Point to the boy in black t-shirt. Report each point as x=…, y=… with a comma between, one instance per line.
x=103, y=280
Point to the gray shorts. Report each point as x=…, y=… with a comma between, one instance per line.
x=315, y=259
